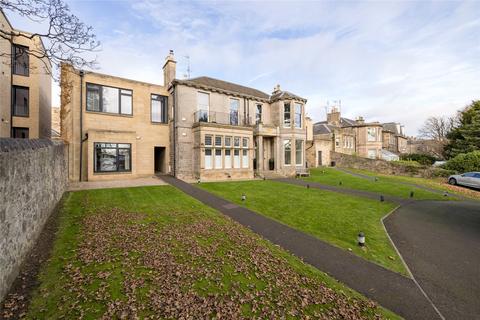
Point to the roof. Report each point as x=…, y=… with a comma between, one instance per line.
x=225, y=85
x=280, y=95
x=322, y=128
x=229, y=87
x=392, y=127
x=344, y=122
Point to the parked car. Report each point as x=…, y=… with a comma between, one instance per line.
x=468, y=179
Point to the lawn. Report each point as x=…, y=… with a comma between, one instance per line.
x=439, y=184
x=154, y=252
x=333, y=217
x=334, y=177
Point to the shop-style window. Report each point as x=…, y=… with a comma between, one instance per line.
x=113, y=157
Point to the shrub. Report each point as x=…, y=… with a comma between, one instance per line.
x=408, y=163
x=464, y=162
x=424, y=159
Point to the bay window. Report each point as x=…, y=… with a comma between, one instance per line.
x=228, y=159
x=244, y=158
x=218, y=158
x=236, y=159
x=287, y=152
x=298, y=115
x=371, y=134
x=286, y=115
x=208, y=158
x=113, y=157
x=298, y=152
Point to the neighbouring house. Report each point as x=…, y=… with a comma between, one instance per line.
x=353, y=137
x=426, y=146
x=55, y=123
x=223, y=130
x=25, y=85
x=200, y=128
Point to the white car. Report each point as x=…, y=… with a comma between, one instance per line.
x=468, y=179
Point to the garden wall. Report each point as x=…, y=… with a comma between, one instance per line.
x=385, y=167
x=33, y=178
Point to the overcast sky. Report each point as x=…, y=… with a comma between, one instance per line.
x=386, y=61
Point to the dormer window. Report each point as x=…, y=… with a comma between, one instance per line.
x=286, y=115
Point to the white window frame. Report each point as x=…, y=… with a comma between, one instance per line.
x=228, y=159
x=245, y=142
x=221, y=140
x=245, y=160
x=371, y=138
x=205, y=140
x=208, y=163
x=289, y=115
x=301, y=152
x=236, y=158
x=296, y=104
x=218, y=159
x=229, y=138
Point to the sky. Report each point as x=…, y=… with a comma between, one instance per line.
x=400, y=61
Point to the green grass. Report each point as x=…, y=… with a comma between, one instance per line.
x=97, y=263
x=332, y=217
x=383, y=186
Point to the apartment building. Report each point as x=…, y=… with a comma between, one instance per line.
x=223, y=130
x=25, y=85
x=355, y=137
x=116, y=128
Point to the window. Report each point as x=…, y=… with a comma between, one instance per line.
x=159, y=108
x=218, y=141
x=20, y=99
x=298, y=152
x=298, y=115
x=228, y=159
x=286, y=115
x=287, y=149
x=258, y=113
x=208, y=140
x=20, y=133
x=228, y=141
x=20, y=60
x=208, y=158
x=112, y=157
x=203, y=105
x=234, y=105
x=245, y=142
x=337, y=142
x=236, y=158
x=371, y=134
x=108, y=99
x=218, y=158
x=372, y=153
x=236, y=142
x=244, y=158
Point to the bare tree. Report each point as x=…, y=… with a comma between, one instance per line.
x=65, y=40
x=437, y=128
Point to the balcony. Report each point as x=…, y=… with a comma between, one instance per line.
x=227, y=118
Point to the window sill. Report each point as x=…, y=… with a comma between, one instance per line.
x=110, y=114
x=21, y=75
x=19, y=116
x=111, y=172
x=159, y=123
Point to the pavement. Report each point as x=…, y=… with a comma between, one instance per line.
x=440, y=242
x=138, y=182
x=391, y=290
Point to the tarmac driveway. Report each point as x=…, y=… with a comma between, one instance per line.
x=440, y=241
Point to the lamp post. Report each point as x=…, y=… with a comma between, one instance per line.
x=361, y=239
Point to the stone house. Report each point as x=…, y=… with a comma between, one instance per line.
x=200, y=128
x=25, y=86
x=353, y=137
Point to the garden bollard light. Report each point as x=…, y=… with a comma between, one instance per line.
x=382, y=198
x=198, y=181
x=445, y=194
x=244, y=197
x=411, y=194
x=340, y=183
x=361, y=239
x=308, y=186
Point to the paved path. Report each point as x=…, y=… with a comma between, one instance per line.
x=139, y=182
x=393, y=291
x=440, y=241
x=352, y=192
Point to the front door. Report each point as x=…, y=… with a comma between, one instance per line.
x=319, y=161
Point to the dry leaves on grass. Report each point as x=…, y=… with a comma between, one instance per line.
x=202, y=269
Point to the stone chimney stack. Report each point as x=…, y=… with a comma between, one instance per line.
x=360, y=120
x=169, y=69
x=276, y=89
x=333, y=117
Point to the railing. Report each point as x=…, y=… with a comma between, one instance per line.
x=230, y=118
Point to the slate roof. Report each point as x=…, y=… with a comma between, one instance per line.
x=239, y=89
x=390, y=126
x=322, y=128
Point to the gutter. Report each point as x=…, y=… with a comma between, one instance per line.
x=81, y=124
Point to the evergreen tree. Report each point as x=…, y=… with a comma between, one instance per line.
x=465, y=137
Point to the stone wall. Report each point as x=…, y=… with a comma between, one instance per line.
x=33, y=178
x=386, y=167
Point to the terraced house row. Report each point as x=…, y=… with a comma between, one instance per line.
x=199, y=128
